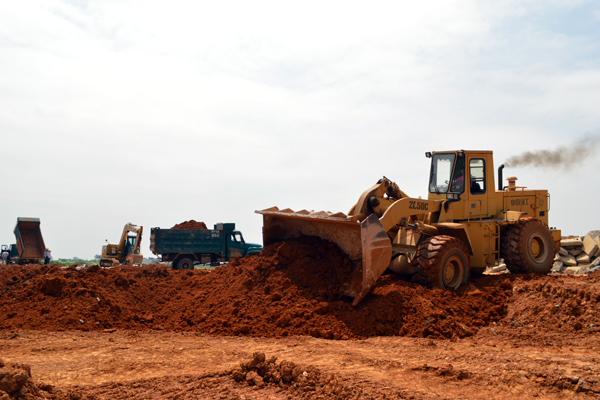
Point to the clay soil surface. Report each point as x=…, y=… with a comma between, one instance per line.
x=191, y=224
x=276, y=327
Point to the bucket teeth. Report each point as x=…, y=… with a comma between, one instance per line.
x=312, y=213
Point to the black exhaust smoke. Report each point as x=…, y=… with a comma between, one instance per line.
x=564, y=157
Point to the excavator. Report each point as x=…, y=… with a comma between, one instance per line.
x=464, y=226
x=127, y=252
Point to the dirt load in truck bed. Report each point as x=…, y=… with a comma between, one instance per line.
x=289, y=297
x=191, y=224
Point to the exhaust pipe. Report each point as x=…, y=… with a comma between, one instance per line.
x=500, y=168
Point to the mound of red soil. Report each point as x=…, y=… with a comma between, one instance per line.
x=191, y=224
x=561, y=304
x=291, y=289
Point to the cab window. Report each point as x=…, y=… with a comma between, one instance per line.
x=458, y=178
x=237, y=237
x=442, y=165
x=477, y=175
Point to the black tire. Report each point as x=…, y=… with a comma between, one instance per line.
x=443, y=262
x=527, y=246
x=185, y=263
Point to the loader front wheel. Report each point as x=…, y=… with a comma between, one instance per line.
x=443, y=262
x=528, y=246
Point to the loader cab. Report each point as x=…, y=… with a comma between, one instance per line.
x=464, y=177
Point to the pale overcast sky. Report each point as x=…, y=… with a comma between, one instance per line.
x=156, y=113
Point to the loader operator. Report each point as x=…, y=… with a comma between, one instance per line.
x=458, y=183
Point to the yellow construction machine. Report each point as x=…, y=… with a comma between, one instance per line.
x=127, y=251
x=464, y=226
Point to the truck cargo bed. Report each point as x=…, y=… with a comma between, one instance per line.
x=171, y=241
x=30, y=243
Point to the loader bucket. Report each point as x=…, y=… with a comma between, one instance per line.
x=366, y=243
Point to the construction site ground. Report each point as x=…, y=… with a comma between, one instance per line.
x=276, y=327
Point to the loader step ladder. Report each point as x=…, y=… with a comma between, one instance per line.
x=492, y=232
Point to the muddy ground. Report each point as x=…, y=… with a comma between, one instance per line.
x=275, y=327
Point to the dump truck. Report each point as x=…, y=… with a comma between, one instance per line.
x=464, y=226
x=127, y=251
x=187, y=247
x=30, y=243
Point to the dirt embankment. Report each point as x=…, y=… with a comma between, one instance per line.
x=291, y=289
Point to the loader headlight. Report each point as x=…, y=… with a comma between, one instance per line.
x=453, y=196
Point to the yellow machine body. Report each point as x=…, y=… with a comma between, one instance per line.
x=127, y=251
x=466, y=224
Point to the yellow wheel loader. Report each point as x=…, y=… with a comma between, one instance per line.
x=127, y=252
x=464, y=226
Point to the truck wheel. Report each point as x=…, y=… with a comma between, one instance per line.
x=443, y=262
x=528, y=246
x=185, y=263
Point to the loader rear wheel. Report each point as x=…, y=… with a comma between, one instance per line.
x=528, y=246
x=443, y=262
x=185, y=263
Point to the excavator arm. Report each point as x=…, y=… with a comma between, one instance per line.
x=138, y=241
x=129, y=227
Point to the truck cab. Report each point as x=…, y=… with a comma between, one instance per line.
x=11, y=250
x=235, y=244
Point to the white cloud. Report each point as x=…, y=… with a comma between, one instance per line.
x=153, y=113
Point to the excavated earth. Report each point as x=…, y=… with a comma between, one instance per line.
x=276, y=327
x=191, y=224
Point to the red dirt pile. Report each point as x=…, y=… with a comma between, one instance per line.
x=560, y=304
x=191, y=224
x=291, y=289
x=16, y=383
